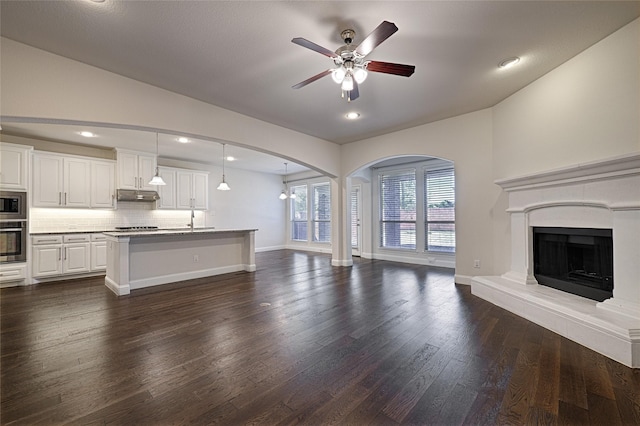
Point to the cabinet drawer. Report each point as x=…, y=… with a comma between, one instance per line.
x=98, y=237
x=13, y=272
x=77, y=238
x=46, y=239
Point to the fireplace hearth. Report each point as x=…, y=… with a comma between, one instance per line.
x=575, y=260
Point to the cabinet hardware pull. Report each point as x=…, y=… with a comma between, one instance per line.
x=65, y=198
x=47, y=241
x=59, y=198
x=75, y=239
x=65, y=253
x=59, y=253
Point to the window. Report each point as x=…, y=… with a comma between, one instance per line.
x=398, y=209
x=439, y=195
x=321, y=224
x=299, y=213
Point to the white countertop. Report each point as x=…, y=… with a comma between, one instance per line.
x=174, y=231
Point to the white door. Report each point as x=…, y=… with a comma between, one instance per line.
x=167, y=192
x=184, y=188
x=356, y=214
x=127, y=170
x=200, y=191
x=47, y=180
x=146, y=171
x=76, y=258
x=77, y=183
x=47, y=260
x=103, y=183
x=99, y=256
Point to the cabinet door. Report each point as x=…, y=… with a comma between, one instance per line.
x=167, y=192
x=146, y=171
x=184, y=190
x=102, y=184
x=47, y=180
x=99, y=256
x=200, y=191
x=77, y=183
x=127, y=170
x=46, y=260
x=76, y=258
x=13, y=167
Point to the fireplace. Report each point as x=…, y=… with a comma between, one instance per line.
x=575, y=260
x=572, y=232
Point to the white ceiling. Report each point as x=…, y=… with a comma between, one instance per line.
x=238, y=54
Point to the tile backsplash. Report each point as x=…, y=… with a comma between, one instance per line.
x=127, y=214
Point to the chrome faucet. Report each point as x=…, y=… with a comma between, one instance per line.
x=193, y=214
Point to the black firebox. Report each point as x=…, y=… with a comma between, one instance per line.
x=575, y=260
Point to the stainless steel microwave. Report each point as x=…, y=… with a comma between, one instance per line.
x=13, y=205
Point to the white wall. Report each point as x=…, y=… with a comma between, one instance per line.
x=38, y=84
x=584, y=110
x=465, y=140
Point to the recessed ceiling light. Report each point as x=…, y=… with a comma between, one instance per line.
x=352, y=115
x=509, y=62
x=182, y=139
x=88, y=134
x=230, y=158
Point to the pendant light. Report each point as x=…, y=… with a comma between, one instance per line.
x=285, y=193
x=157, y=180
x=224, y=186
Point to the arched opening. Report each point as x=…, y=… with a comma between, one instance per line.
x=402, y=209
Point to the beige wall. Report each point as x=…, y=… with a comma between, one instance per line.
x=586, y=109
x=42, y=85
x=465, y=140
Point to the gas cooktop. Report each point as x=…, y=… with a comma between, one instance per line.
x=136, y=228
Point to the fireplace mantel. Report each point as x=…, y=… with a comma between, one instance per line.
x=603, y=194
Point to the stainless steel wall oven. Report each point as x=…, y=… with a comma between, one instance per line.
x=13, y=226
x=13, y=241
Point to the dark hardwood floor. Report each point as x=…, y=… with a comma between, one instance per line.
x=298, y=341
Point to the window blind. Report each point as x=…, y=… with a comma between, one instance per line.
x=398, y=209
x=299, y=213
x=439, y=210
x=321, y=223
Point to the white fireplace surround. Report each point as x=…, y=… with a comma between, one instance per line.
x=602, y=194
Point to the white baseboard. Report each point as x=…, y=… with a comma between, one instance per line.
x=430, y=261
x=462, y=279
x=271, y=248
x=183, y=276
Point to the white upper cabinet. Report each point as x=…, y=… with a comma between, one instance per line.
x=193, y=190
x=135, y=170
x=77, y=182
x=14, y=166
x=103, y=184
x=72, y=181
x=185, y=189
x=167, y=192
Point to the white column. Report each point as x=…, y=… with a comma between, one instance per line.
x=340, y=244
x=626, y=264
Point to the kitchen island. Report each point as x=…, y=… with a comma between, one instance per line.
x=139, y=259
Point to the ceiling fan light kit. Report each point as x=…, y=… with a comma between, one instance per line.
x=351, y=67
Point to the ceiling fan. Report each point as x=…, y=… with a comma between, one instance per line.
x=351, y=65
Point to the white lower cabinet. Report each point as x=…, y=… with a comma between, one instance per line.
x=98, y=252
x=58, y=255
x=12, y=272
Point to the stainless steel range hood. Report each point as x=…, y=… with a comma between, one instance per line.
x=134, y=195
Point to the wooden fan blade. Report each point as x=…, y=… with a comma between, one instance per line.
x=391, y=68
x=311, y=45
x=377, y=36
x=312, y=79
x=353, y=93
